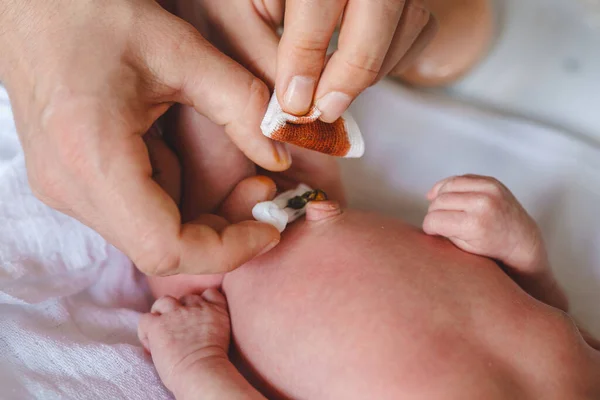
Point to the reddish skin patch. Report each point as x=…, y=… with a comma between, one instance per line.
x=319, y=136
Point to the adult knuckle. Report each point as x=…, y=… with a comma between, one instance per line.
x=257, y=99
x=184, y=38
x=365, y=66
x=310, y=43
x=259, y=92
x=366, y=63
x=155, y=251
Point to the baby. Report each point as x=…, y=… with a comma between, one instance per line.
x=356, y=305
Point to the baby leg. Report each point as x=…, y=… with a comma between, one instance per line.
x=211, y=164
x=211, y=167
x=188, y=340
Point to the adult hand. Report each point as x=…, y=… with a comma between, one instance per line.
x=377, y=37
x=86, y=80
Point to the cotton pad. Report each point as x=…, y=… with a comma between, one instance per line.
x=277, y=212
x=270, y=213
x=341, y=138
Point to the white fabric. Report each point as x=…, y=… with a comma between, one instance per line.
x=69, y=303
x=275, y=118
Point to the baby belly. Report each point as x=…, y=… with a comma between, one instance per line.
x=426, y=324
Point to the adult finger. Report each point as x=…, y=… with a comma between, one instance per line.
x=309, y=26
x=101, y=174
x=365, y=37
x=249, y=192
x=246, y=30
x=197, y=74
x=414, y=19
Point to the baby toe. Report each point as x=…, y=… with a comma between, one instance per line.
x=165, y=304
x=214, y=296
x=192, y=300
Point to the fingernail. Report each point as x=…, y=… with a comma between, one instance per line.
x=299, y=95
x=282, y=153
x=268, y=247
x=333, y=105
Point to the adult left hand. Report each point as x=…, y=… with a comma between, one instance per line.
x=377, y=37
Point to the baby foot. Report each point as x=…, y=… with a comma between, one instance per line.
x=187, y=338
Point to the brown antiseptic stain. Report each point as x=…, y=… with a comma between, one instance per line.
x=317, y=135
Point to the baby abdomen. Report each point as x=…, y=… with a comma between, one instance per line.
x=378, y=316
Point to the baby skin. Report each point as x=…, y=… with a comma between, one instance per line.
x=355, y=305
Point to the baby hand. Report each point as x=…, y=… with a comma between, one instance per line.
x=481, y=216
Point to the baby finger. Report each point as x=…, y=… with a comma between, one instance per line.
x=446, y=223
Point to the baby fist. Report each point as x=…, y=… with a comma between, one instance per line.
x=481, y=216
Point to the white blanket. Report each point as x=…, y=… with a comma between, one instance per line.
x=69, y=302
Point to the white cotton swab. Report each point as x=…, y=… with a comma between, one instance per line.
x=276, y=212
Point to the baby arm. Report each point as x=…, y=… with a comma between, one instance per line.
x=481, y=216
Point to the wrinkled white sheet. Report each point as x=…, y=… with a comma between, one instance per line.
x=69, y=303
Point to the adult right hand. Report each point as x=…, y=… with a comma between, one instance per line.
x=86, y=80
x=376, y=38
